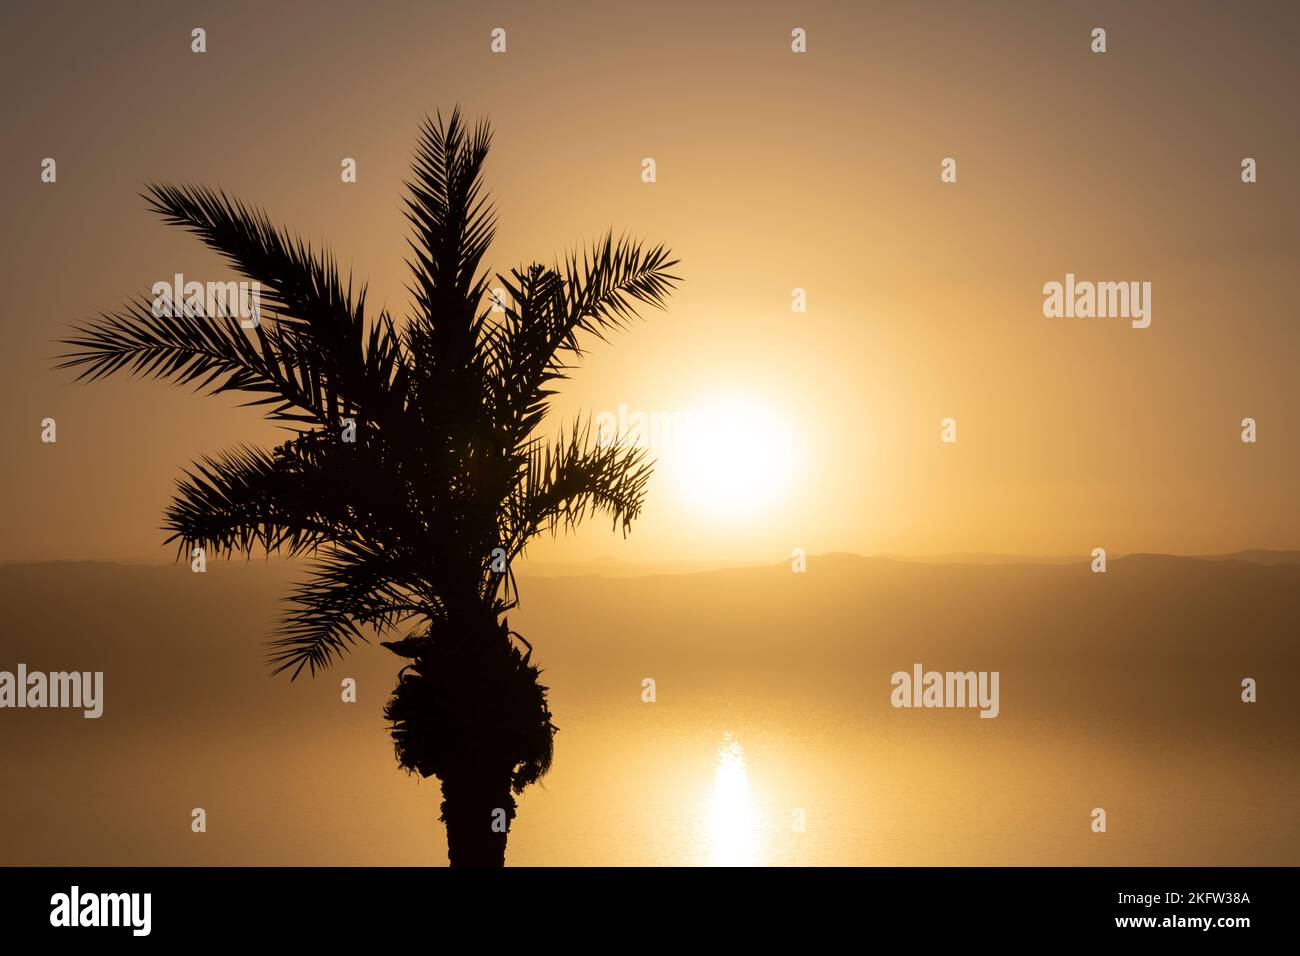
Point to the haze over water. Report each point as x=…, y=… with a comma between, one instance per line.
x=772, y=697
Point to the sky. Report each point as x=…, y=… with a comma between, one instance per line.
x=774, y=171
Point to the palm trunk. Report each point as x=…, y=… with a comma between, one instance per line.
x=470, y=711
x=477, y=810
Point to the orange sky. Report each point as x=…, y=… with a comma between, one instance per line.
x=775, y=171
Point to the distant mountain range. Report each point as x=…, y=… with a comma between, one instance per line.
x=613, y=567
x=616, y=567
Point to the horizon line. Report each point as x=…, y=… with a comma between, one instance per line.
x=589, y=567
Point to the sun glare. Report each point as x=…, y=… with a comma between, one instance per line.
x=732, y=819
x=731, y=458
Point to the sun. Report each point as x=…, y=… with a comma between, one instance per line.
x=731, y=457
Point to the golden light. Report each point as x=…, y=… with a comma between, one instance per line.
x=731, y=458
x=731, y=824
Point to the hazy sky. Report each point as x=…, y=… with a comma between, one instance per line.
x=775, y=170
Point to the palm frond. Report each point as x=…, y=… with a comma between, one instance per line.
x=301, y=286
x=445, y=463
x=213, y=353
x=604, y=285
x=301, y=289
x=565, y=481
x=596, y=292
x=453, y=223
x=249, y=498
x=353, y=585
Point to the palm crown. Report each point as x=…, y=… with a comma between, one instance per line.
x=443, y=477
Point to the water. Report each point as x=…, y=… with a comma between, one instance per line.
x=771, y=741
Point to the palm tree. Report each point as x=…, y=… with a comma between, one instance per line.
x=415, y=471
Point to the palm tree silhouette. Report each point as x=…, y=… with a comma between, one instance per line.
x=415, y=472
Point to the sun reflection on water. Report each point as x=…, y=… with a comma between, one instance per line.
x=732, y=819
